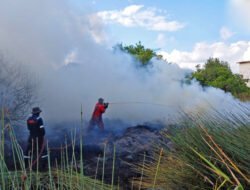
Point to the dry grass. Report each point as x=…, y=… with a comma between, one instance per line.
x=68, y=175
x=205, y=158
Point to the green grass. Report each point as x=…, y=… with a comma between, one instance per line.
x=208, y=154
x=211, y=157
x=65, y=174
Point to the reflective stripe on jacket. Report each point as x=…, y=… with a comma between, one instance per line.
x=35, y=126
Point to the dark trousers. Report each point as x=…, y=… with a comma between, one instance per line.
x=33, y=144
x=36, y=149
x=96, y=121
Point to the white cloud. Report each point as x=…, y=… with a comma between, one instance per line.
x=231, y=53
x=225, y=33
x=239, y=12
x=161, y=40
x=246, y=55
x=139, y=16
x=132, y=9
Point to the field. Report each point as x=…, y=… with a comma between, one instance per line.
x=202, y=155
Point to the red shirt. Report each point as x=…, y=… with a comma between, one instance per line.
x=99, y=110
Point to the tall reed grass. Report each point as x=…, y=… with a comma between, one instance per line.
x=64, y=174
x=204, y=157
x=206, y=154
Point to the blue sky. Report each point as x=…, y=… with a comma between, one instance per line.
x=184, y=32
x=182, y=11
x=194, y=14
x=203, y=21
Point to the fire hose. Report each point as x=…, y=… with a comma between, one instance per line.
x=139, y=102
x=71, y=144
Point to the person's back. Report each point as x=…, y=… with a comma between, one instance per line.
x=99, y=110
x=35, y=126
x=96, y=118
x=36, y=138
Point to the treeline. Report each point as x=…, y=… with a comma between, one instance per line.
x=218, y=74
x=215, y=73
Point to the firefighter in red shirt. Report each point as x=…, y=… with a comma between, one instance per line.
x=96, y=118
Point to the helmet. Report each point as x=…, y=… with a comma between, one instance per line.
x=101, y=100
x=36, y=110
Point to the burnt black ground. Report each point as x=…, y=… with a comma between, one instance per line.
x=130, y=146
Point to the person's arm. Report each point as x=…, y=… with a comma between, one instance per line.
x=28, y=125
x=106, y=105
x=41, y=126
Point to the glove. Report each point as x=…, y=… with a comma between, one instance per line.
x=106, y=105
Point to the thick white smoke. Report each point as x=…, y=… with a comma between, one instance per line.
x=72, y=69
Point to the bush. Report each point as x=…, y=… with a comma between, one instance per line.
x=218, y=74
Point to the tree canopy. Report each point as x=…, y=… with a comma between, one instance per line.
x=218, y=74
x=142, y=54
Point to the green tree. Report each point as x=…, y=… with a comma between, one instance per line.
x=218, y=74
x=142, y=54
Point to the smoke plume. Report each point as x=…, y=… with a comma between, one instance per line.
x=55, y=40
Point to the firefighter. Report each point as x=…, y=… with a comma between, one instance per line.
x=96, y=118
x=36, y=137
